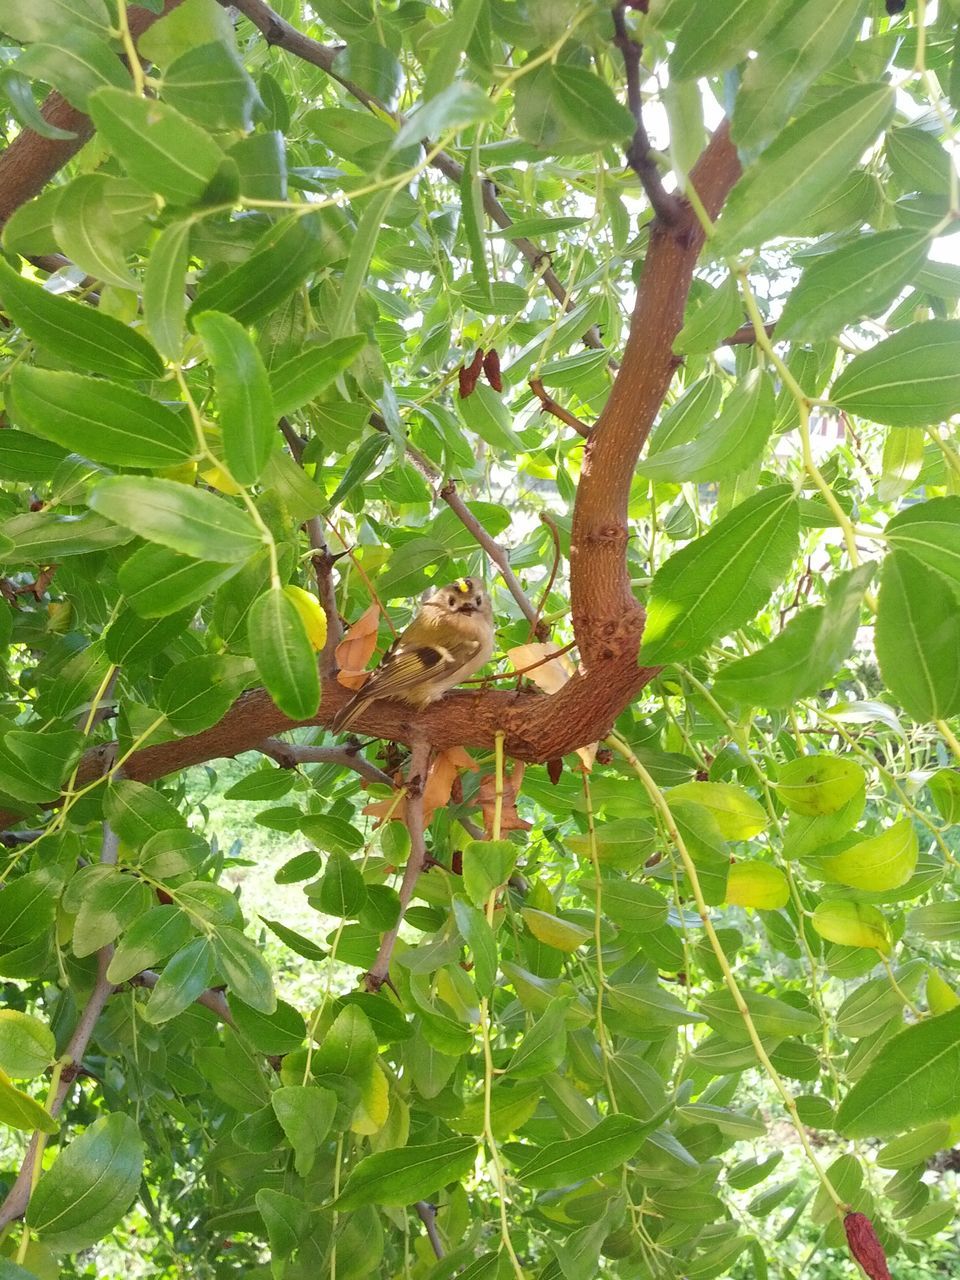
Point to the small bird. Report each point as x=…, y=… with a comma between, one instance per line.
x=449, y=639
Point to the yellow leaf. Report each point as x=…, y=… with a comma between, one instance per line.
x=554, y=932
x=851, y=924
x=309, y=609
x=737, y=814
x=757, y=884
x=941, y=997
x=813, y=785
x=374, y=1105
x=884, y=862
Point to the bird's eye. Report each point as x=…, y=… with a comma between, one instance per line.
x=478, y=600
x=452, y=601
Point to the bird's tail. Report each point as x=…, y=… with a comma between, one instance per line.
x=350, y=711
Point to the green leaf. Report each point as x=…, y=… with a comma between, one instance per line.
x=296, y=942
x=543, y=1047
x=151, y=939
x=728, y=446
x=859, y=279
x=282, y=259
x=137, y=812
x=910, y=1081
x=479, y=937
x=301, y=378
x=111, y=904
x=283, y=653
x=43, y=536
x=248, y=975
x=130, y=639
x=43, y=18
x=20, y=1111
x=210, y=84
x=305, y=1113
x=473, y=219
x=446, y=59
x=279, y=1032
x=158, y=582
x=718, y=582
x=487, y=864
x=454, y=107
x=185, y=977
x=902, y=462
x=772, y=1018
x=717, y=316
x=191, y=521
x=930, y=532
x=803, y=166
x=806, y=654
x=710, y=41
x=195, y=694
x=158, y=147
x=485, y=413
x=90, y=225
x=589, y=107
x=19, y=94
x=365, y=458
x=76, y=62
x=75, y=332
x=247, y=415
x=287, y=1220
x=918, y=638
x=358, y=263
x=90, y=1185
x=908, y=380
x=191, y=23
x=918, y=161
x=884, y=862
x=27, y=1045
x=806, y=39
x=102, y=420
x=342, y=892
x=164, y=288
x=604, y=1147
x=642, y=1007
x=405, y=1174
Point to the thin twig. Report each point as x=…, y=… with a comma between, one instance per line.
x=428, y=1216
x=666, y=205
x=211, y=999
x=379, y=971
x=512, y=675
x=549, y=405
x=493, y=549
x=746, y=336
x=289, y=755
x=549, y=521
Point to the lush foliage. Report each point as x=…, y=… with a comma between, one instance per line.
x=569, y=1001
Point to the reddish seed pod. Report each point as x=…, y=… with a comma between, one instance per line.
x=865, y=1246
x=555, y=769
x=468, y=375
x=491, y=367
x=456, y=862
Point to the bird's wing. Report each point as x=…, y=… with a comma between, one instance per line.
x=407, y=666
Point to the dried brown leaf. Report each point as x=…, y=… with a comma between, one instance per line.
x=357, y=646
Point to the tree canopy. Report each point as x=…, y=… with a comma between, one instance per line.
x=634, y=958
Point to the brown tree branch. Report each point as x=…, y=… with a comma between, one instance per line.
x=291, y=754
x=212, y=999
x=379, y=971
x=549, y=405
x=666, y=205
x=428, y=1216
x=746, y=335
